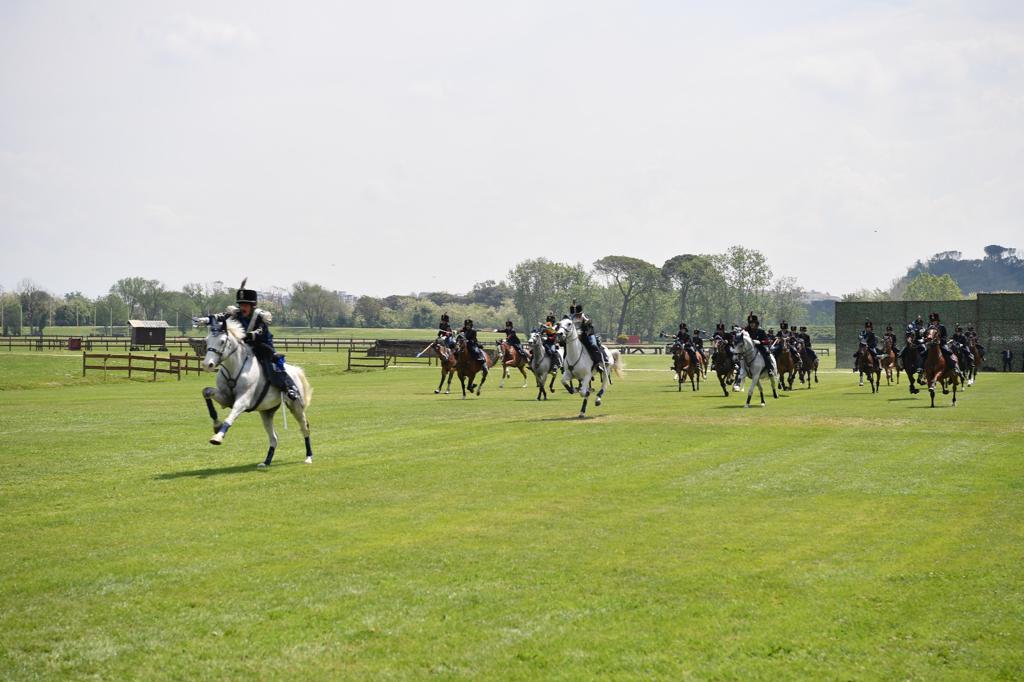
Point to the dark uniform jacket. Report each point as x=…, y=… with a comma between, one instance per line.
x=871, y=340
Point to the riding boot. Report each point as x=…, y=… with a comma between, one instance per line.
x=283, y=381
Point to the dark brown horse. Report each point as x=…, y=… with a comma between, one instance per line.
x=467, y=366
x=808, y=363
x=936, y=369
x=979, y=356
x=784, y=363
x=685, y=368
x=510, y=357
x=909, y=360
x=723, y=365
x=866, y=364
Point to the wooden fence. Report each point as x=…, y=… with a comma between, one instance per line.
x=148, y=364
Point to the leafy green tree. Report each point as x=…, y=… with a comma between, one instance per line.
x=929, y=287
x=540, y=285
x=866, y=295
x=747, y=274
x=35, y=305
x=633, y=278
x=785, y=300
x=315, y=303
x=369, y=311
x=688, y=273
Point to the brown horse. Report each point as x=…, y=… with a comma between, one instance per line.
x=889, y=361
x=936, y=369
x=808, y=363
x=723, y=364
x=467, y=366
x=685, y=368
x=784, y=362
x=510, y=357
x=446, y=360
x=866, y=364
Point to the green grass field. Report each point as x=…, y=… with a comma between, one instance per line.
x=834, y=534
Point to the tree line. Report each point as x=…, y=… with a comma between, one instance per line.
x=622, y=294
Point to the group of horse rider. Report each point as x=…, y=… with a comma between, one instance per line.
x=953, y=348
x=765, y=342
x=548, y=331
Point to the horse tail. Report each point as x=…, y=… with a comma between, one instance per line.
x=618, y=364
x=307, y=390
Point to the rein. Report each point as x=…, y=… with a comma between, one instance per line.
x=572, y=365
x=223, y=370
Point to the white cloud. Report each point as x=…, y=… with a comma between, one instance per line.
x=190, y=37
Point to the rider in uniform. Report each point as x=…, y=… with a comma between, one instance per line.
x=973, y=337
x=726, y=338
x=761, y=341
x=587, y=334
x=698, y=344
x=473, y=346
x=513, y=339
x=549, y=337
x=947, y=353
x=965, y=345
x=444, y=331
x=868, y=338
x=806, y=338
x=890, y=336
x=256, y=323
x=786, y=333
x=684, y=342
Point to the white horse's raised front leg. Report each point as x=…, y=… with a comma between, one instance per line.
x=218, y=437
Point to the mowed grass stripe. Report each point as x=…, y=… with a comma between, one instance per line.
x=831, y=534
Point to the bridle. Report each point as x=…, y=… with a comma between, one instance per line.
x=221, y=356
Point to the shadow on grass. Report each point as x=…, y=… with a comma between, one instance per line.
x=572, y=418
x=909, y=397
x=206, y=473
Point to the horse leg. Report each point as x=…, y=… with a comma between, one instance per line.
x=462, y=380
x=523, y=372
x=440, y=383
x=606, y=381
x=209, y=396
x=299, y=411
x=586, y=397
x=955, y=382
x=268, y=424
x=218, y=437
x=554, y=375
x=481, y=384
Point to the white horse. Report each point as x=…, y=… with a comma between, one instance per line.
x=542, y=365
x=753, y=363
x=578, y=365
x=242, y=387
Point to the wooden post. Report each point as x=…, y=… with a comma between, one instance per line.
x=129, y=365
x=154, y=368
x=83, y=363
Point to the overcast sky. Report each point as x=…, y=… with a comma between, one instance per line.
x=391, y=147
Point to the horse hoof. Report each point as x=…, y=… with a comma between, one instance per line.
x=308, y=460
x=763, y=404
x=262, y=465
x=217, y=439
x=597, y=402
x=437, y=391
x=447, y=392
x=581, y=416
x=747, y=405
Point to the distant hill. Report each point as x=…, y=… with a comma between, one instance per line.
x=1000, y=270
